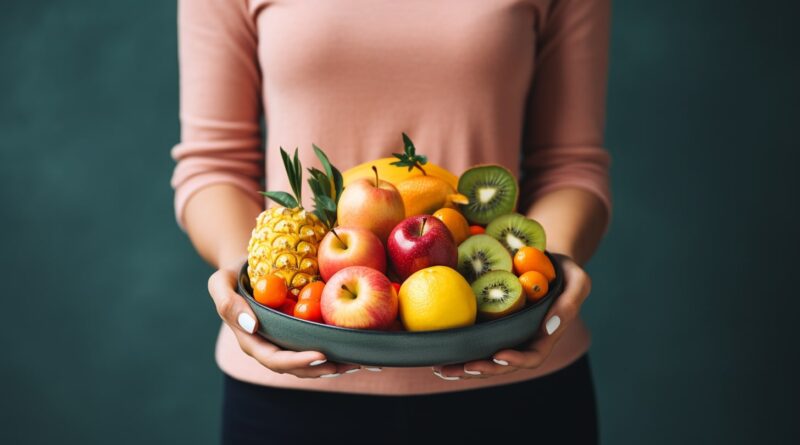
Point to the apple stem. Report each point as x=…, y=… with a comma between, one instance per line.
x=422, y=227
x=344, y=287
x=375, y=169
x=337, y=237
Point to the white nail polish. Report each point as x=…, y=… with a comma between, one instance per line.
x=328, y=376
x=472, y=372
x=350, y=371
x=246, y=322
x=373, y=369
x=552, y=324
x=500, y=362
x=444, y=377
x=317, y=362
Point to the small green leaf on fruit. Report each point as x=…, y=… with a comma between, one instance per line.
x=282, y=198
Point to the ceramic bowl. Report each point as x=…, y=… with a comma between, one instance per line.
x=401, y=348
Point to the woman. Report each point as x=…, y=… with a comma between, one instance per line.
x=514, y=82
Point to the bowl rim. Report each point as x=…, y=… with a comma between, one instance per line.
x=551, y=294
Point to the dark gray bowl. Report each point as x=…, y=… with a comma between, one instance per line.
x=402, y=349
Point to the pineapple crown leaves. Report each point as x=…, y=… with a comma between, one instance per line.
x=326, y=185
x=294, y=170
x=409, y=158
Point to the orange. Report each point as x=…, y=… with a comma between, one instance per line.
x=455, y=222
x=422, y=195
x=534, y=284
x=436, y=298
x=530, y=258
x=476, y=230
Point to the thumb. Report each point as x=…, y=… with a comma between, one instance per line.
x=231, y=307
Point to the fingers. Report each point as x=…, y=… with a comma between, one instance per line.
x=577, y=286
x=231, y=307
x=479, y=369
x=305, y=364
x=565, y=309
x=236, y=313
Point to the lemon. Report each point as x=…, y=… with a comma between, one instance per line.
x=436, y=298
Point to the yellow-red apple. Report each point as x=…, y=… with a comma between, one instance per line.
x=350, y=246
x=371, y=204
x=359, y=297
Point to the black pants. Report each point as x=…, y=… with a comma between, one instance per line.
x=558, y=408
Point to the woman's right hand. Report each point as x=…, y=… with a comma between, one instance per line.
x=236, y=313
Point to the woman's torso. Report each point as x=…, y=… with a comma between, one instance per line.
x=351, y=75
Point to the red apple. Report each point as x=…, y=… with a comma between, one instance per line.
x=371, y=204
x=421, y=241
x=359, y=297
x=349, y=246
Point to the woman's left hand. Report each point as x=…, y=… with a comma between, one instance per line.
x=577, y=286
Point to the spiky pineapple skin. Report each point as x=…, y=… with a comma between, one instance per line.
x=284, y=242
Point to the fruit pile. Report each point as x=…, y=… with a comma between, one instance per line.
x=397, y=244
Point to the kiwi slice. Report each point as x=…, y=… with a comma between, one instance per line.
x=499, y=293
x=515, y=231
x=492, y=191
x=479, y=254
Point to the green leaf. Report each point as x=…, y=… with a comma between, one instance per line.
x=409, y=146
x=322, y=179
x=282, y=198
x=315, y=187
x=326, y=203
x=287, y=165
x=334, y=175
x=422, y=159
x=291, y=172
x=320, y=184
x=298, y=177
x=323, y=159
x=338, y=184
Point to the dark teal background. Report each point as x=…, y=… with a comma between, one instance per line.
x=108, y=333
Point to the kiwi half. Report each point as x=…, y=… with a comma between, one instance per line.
x=498, y=293
x=515, y=231
x=492, y=191
x=480, y=254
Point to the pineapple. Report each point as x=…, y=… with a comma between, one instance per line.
x=285, y=239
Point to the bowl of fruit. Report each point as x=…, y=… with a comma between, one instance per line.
x=400, y=263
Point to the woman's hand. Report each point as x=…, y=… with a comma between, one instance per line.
x=577, y=286
x=236, y=313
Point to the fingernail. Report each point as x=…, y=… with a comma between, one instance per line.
x=552, y=324
x=444, y=377
x=373, y=369
x=328, y=376
x=466, y=371
x=317, y=362
x=246, y=322
x=350, y=371
x=500, y=362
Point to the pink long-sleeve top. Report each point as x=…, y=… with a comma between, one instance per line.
x=519, y=83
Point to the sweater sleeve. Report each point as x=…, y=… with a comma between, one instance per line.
x=220, y=93
x=563, y=144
